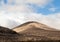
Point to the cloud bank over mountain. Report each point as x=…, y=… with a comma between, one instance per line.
x=14, y=19
x=12, y=15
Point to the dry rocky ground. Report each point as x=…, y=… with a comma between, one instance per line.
x=30, y=31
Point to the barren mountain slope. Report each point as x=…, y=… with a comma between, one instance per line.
x=38, y=29
x=8, y=35
x=32, y=24
x=30, y=31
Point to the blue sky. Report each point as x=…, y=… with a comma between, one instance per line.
x=55, y=6
x=50, y=8
x=20, y=11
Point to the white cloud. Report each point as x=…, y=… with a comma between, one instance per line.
x=52, y=9
x=52, y=20
x=22, y=5
x=14, y=19
x=39, y=2
x=12, y=16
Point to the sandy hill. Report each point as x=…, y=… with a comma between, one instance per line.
x=29, y=31
x=38, y=30
x=33, y=24
x=8, y=35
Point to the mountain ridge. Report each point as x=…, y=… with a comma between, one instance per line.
x=30, y=31
x=39, y=30
x=31, y=24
